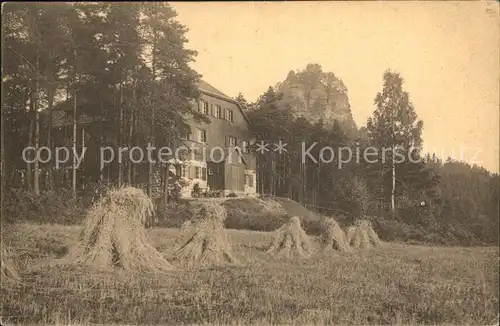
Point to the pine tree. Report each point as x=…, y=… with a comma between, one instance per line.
x=173, y=81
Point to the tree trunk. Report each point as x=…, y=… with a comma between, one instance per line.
x=271, y=173
x=84, y=181
x=393, y=191
x=73, y=178
x=289, y=169
x=130, y=142
x=120, y=137
x=301, y=193
x=308, y=99
x=305, y=195
x=2, y=161
x=50, y=99
x=29, y=174
x=165, y=185
x=101, y=136
x=152, y=135
x=131, y=133
x=381, y=198
x=36, y=167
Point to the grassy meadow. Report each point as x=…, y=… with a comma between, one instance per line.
x=396, y=284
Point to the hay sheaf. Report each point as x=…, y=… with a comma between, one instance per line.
x=184, y=234
x=333, y=237
x=113, y=234
x=361, y=235
x=291, y=240
x=8, y=271
x=207, y=243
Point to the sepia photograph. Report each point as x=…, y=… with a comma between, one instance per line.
x=250, y=163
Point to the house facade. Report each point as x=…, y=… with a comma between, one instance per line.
x=220, y=161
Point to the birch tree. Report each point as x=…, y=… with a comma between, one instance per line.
x=395, y=127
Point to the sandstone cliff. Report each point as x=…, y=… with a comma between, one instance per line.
x=316, y=95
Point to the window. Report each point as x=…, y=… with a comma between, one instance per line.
x=203, y=108
x=231, y=141
x=228, y=115
x=197, y=172
x=197, y=154
x=202, y=136
x=188, y=135
x=185, y=171
x=218, y=112
x=244, y=146
x=204, y=174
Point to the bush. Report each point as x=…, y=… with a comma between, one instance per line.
x=354, y=196
x=241, y=220
x=232, y=195
x=242, y=214
x=450, y=234
x=251, y=214
x=312, y=227
x=174, y=214
x=56, y=206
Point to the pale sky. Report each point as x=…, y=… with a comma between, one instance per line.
x=447, y=52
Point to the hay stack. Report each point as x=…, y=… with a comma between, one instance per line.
x=291, y=240
x=207, y=244
x=184, y=234
x=361, y=235
x=334, y=237
x=8, y=272
x=113, y=234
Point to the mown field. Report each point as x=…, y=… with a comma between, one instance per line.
x=396, y=284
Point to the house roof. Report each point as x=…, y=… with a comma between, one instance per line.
x=208, y=89
x=62, y=118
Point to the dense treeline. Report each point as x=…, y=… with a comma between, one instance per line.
x=421, y=199
x=126, y=68
x=123, y=67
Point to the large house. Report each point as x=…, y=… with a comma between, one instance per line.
x=222, y=162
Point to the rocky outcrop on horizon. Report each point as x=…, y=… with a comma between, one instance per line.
x=317, y=95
